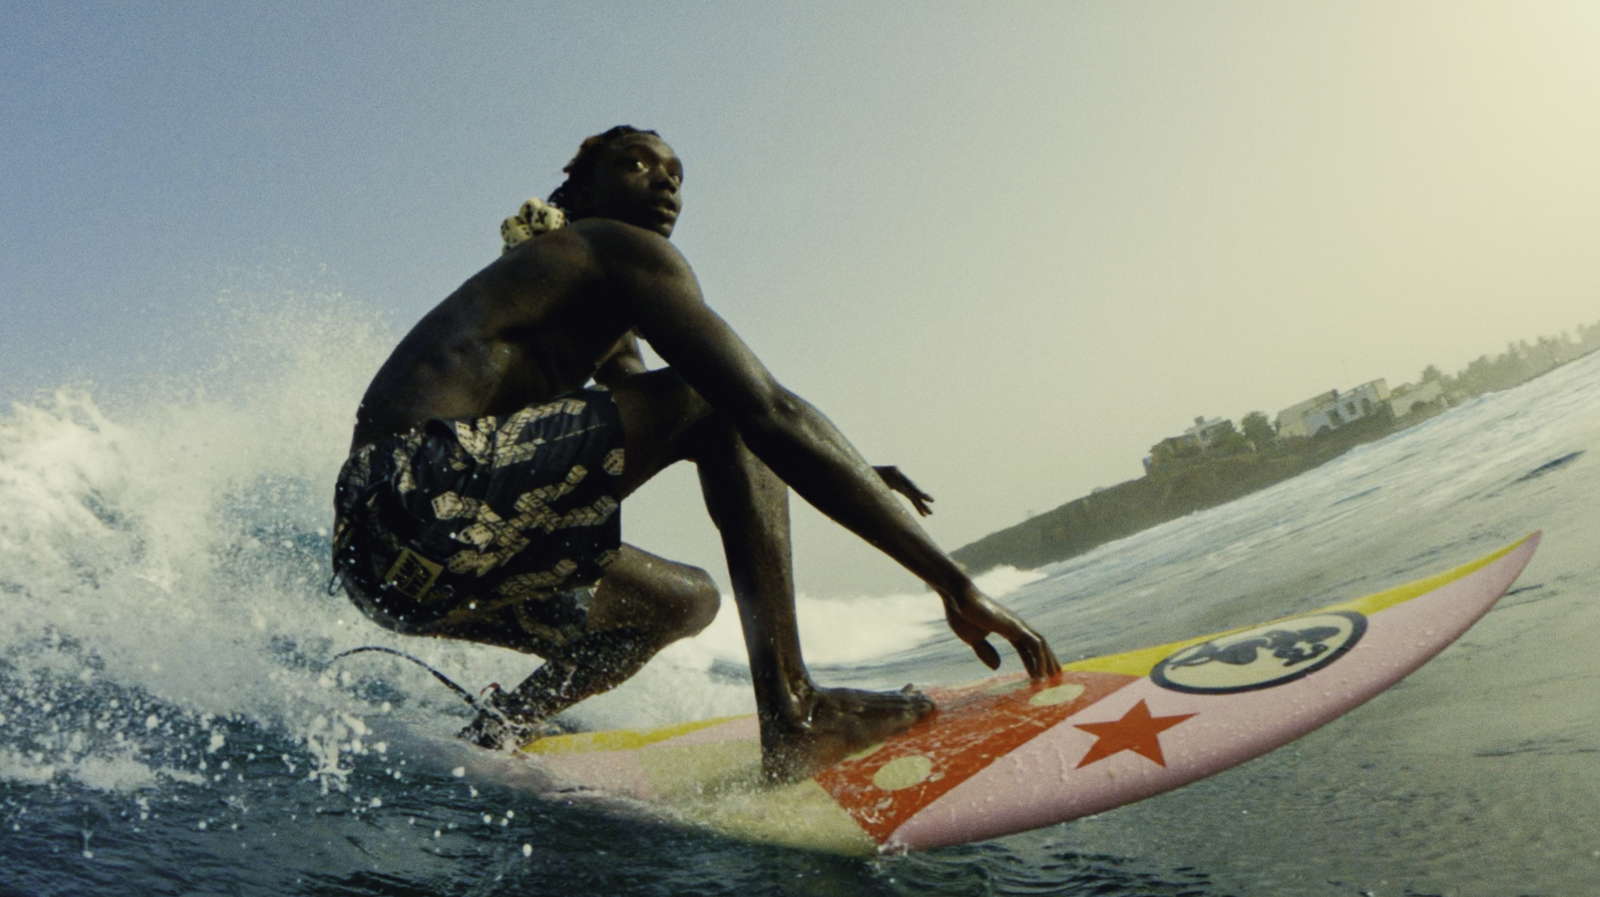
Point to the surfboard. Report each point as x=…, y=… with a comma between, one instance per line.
x=1007, y=755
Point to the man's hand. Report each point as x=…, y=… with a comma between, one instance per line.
x=899, y=482
x=973, y=616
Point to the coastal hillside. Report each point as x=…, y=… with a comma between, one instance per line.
x=1127, y=508
x=1216, y=463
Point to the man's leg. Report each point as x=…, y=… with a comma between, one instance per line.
x=803, y=727
x=644, y=603
x=641, y=605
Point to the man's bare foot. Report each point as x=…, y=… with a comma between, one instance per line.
x=832, y=723
x=499, y=727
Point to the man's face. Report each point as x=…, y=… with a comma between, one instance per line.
x=637, y=181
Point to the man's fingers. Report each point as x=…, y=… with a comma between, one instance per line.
x=974, y=623
x=1036, y=654
x=1037, y=657
x=899, y=482
x=986, y=653
x=976, y=637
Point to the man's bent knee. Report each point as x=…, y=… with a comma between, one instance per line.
x=687, y=607
x=702, y=606
x=645, y=592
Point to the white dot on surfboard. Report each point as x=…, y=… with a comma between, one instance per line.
x=1061, y=694
x=903, y=772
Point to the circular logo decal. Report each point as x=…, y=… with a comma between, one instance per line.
x=1262, y=657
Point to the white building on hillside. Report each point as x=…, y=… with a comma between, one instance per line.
x=1332, y=410
x=1206, y=432
x=1194, y=441
x=1406, y=398
x=1292, y=420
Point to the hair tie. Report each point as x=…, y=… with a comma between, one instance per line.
x=534, y=218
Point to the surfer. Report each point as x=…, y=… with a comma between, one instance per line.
x=480, y=499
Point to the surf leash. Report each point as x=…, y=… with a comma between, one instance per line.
x=471, y=699
x=507, y=730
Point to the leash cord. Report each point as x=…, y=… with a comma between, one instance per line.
x=462, y=692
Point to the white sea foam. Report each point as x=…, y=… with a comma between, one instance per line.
x=169, y=547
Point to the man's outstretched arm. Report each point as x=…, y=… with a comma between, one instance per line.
x=794, y=439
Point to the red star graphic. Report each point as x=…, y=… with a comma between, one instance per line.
x=1136, y=731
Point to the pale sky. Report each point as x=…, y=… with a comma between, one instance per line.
x=1006, y=246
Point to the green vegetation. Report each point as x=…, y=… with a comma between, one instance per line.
x=1520, y=363
x=1185, y=477
x=1258, y=429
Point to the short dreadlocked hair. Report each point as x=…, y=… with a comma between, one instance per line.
x=581, y=169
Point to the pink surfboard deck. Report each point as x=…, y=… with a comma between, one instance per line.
x=1008, y=755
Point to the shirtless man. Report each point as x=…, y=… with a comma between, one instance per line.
x=481, y=495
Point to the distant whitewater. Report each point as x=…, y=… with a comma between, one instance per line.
x=170, y=723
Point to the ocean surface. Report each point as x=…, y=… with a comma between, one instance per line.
x=170, y=722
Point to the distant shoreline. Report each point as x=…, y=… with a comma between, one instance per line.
x=1177, y=489
x=1127, y=508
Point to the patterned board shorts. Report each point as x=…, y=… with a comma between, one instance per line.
x=490, y=530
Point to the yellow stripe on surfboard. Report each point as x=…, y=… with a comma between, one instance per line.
x=1143, y=660
x=618, y=740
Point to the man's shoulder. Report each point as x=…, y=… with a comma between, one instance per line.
x=617, y=258
x=611, y=240
x=597, y=242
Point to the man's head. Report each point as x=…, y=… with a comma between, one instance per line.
x=626, y=174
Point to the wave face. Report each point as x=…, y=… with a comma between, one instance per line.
x=170, y=721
